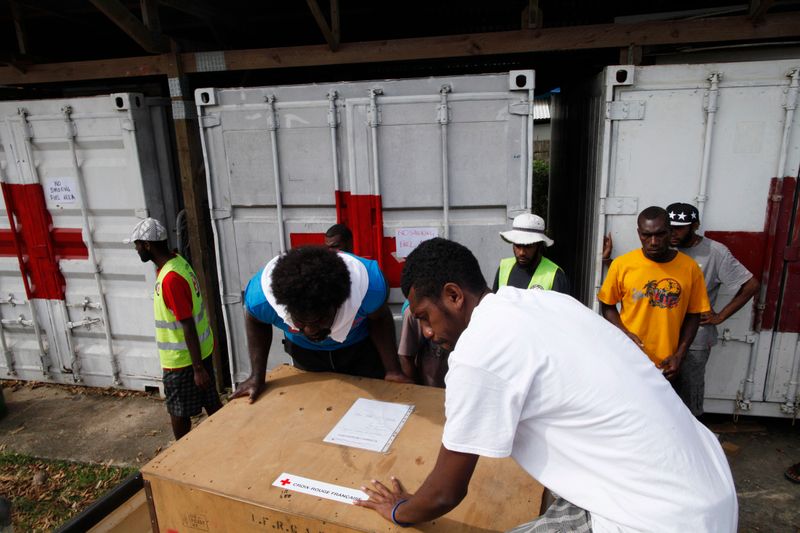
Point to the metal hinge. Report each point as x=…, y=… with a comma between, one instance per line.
x=209, y=121
x=220, y=213
x=229, y=299
x=749, y=338
x=789, y=409
x=627, y=110
x=741, y=403
x=519, y=108
x=619, y=205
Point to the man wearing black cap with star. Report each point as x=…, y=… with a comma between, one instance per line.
x=719, y=267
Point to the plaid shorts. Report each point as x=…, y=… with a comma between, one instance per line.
x=184, y=399
x=561, y=516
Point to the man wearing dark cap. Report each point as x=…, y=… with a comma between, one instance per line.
x=529, y=268
x=660, y=292
x=719, y=267
x=183, y=332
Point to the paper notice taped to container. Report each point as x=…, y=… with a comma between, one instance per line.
x=61, y=191
x=321, y=489
x=370, y=425
x=407, y=239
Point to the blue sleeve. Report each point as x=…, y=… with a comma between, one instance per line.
x=255, y=301
x=377, y=292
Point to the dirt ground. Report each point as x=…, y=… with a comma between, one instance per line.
x=759, y=451
x=56, y=423
x=60, y=423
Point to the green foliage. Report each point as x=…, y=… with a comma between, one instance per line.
x=541, y=186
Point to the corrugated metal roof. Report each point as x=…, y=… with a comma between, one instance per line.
x=541, y=109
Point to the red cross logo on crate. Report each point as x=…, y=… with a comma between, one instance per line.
x=285, y=482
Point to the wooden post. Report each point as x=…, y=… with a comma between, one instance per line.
x=630, y=55
x=195, y=201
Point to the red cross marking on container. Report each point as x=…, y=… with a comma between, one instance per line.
x=285, y=482
x=37, y=245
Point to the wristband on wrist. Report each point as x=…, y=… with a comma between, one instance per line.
x=394, y=515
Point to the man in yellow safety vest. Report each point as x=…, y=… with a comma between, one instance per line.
x=529, y=268
x=183, y=332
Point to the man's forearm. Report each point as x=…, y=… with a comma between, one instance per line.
x=381, y=331
x=259, y=339
x=688, y=331
x=611, y=314
x=442, y=491
x=743, y=295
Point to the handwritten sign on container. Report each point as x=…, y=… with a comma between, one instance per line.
x=61, y=191
x=409, y=238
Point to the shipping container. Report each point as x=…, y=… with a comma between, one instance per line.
x=724, y=137
x=77, y=174
x=396, y=160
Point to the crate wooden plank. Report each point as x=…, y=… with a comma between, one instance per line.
x=219, y=477
x=130, y=517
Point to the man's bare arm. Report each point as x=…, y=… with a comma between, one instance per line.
x=611, y=314
x=441, y=492
x=748, y=289
x=259, y=339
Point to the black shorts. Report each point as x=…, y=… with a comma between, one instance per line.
x=184, y=399
x=360, y=359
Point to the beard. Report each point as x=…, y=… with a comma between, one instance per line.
x=686, y=241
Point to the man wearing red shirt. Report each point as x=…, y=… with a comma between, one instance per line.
x=183, y=333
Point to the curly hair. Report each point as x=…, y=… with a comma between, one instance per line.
x=437, y=262
x=310, y=279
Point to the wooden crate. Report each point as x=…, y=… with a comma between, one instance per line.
x=219, y=477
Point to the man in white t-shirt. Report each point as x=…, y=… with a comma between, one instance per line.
x=537, y=376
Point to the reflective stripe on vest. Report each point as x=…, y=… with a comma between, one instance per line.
x=543, y=277
x=172, y=348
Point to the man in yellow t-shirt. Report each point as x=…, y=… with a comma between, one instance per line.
x=661, y=293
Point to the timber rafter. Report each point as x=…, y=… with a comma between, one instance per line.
x=720, y=29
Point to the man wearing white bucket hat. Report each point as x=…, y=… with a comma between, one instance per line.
x=529, y=268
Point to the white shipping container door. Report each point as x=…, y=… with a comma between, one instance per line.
x=658, y=135
x=77, y=175
x=374, y=155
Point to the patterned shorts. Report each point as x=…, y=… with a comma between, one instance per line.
x=560, y=517
x=184, y=399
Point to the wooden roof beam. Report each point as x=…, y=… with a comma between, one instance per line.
x=150, y=15
x=331, y=37
x=718, y=29
x=218, y=21
x=758, y=10
x=19, y=28
x=131, y=25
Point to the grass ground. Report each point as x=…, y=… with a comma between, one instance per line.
x=45, y=493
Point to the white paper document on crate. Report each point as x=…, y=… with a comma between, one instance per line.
x=370, y=425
